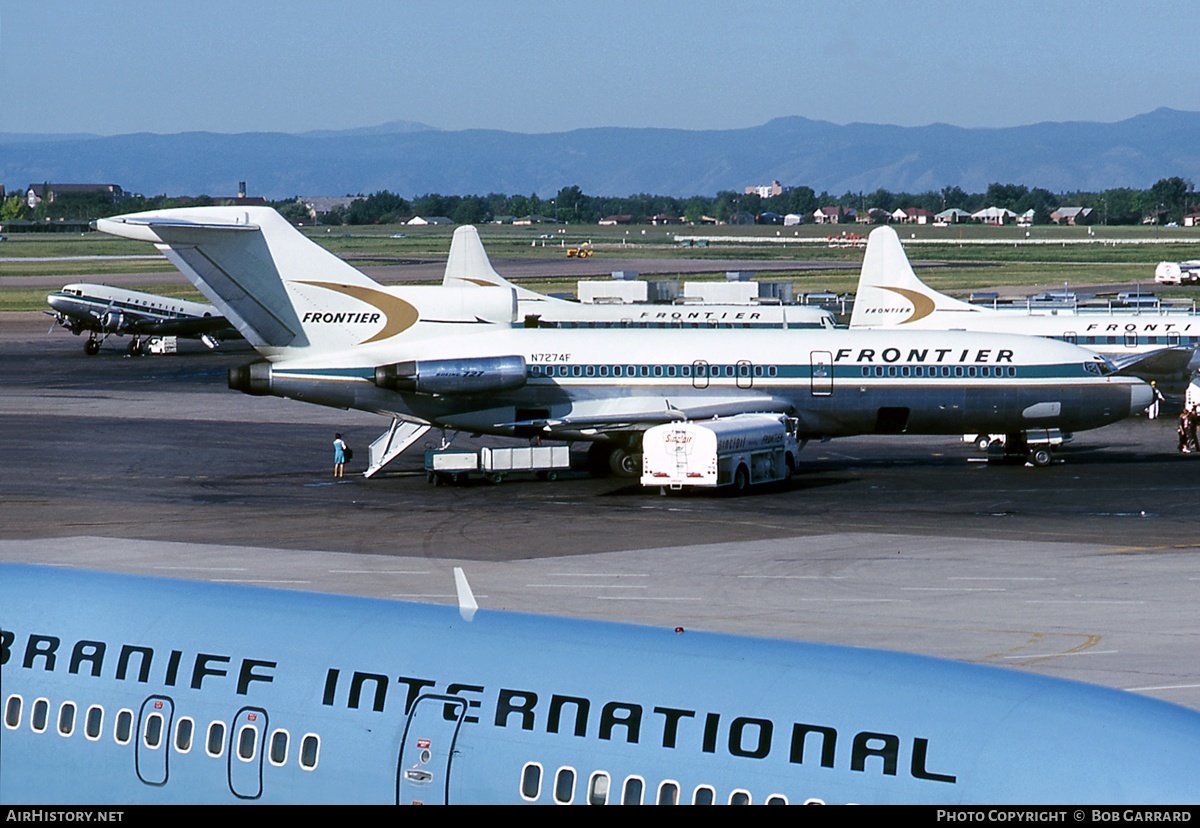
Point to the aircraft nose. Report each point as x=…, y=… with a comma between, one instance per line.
x=1140, y=396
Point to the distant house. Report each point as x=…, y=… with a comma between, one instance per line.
x=913, y=215
x=792, y=219
x=610, y=221
x=952, y=216
x=317, y=206
x=35, y=194
x=423, y=221
x=664, y=218
x=873, y=215
x=994, y=215
x=1073, y=215
x=830, y=215
x=1191, y=220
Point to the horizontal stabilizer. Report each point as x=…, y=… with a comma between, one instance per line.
x=1165, y=362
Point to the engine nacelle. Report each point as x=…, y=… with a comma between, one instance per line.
x=112, y=321
x=481, y=375
x=253, y=378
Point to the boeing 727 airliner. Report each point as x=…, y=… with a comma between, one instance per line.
x=436, y=355
x=120, y=689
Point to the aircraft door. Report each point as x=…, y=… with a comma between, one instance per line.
x=427, y=750
x=745, y=373
x=822, y=373
x=700, y=374
x=247, y=742
x=153, y=736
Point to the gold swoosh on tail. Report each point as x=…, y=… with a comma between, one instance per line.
x=400, y=315
x=922, y=304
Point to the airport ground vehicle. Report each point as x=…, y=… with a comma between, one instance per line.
x=448, y=465
x=1177, y=273
x=1036, y=445
x=738, y=452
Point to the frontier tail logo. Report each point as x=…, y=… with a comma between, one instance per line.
x=922, y=305
x=398, y=315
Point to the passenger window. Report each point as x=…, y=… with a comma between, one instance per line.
x=41, y=713
x=668, y=793
x=184, y=732
x=564, y=786
x=634, y=789
x=279, y=746
x=215, y=745
x=152, y=734
x=123, y=729
x=12, y=712
x=704, y=795
x=739, y=798
x=93, y=722
x=247, y=742
x=598, y=788
x=66, y=718
x=777, y=799
x=531, y=782
x=309, y=750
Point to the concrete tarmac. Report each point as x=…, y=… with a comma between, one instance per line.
x=1086, y=570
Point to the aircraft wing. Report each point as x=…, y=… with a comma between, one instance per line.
x=650, y=412
x=1159, y=363
x=217, y=326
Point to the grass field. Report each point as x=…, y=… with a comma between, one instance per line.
x=979, y=257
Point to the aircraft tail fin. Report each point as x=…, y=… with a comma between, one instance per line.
x=270, y=281
x=889, y=292
x=468, y=265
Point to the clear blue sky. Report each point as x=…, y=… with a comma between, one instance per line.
x=121, y=66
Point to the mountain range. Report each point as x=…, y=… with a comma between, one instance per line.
x=413, y=159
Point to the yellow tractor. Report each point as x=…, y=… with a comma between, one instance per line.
x=582, y=252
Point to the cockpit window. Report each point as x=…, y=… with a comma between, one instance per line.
x=1100, y=367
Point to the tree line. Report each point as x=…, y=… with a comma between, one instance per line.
x=1167, y=200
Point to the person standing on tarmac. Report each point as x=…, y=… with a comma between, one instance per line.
x=339, y=456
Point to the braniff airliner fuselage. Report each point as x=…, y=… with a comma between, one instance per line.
x=1146, y=342
x=125, y=690
x=460, y=359
x=103, y=310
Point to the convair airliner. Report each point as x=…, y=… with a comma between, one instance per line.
x=434, y=355
x=1144, y=342
x=120, y=689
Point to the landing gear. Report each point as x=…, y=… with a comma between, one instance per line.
x=605, y=458
x=134, y=346
x=92, y=346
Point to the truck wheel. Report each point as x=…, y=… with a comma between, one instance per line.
x=982, y=442
x=741, y=481
x=790, y=462
x=1041, y=457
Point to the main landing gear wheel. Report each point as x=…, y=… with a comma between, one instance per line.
x=1041, y=457
x=625, y=463
x=91, y=347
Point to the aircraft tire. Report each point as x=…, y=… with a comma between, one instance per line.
x=625, y=463
x=91, y=347
x=1041, y=457
x=134, y=346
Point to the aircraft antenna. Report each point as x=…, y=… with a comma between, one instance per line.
x=466, y=599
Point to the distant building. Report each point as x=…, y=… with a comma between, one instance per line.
x=422, y=221
x=1073, y=215
x=317, y=206
x=994, y=215
x=829, y=215
x=768, y=190
x=792, y=219
x=769, y=218
x=952, y=216
x=664, y=218
x=1191, y=220
x=913, y=215
x=622, y=218
x=35, y=194
x=874, y=215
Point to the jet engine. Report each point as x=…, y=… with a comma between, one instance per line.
x=481, y=375
x=253, y=379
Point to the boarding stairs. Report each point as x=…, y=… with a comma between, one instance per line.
x=389, y=445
